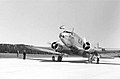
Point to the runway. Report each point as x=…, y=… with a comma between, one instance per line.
x=70, y=68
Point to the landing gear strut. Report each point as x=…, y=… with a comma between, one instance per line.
x=59, y=59
x=90, y=58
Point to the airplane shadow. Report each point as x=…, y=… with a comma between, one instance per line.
x=70, y=61
x=73, y=61
x=110, y=63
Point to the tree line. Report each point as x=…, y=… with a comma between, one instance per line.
x=19, y=48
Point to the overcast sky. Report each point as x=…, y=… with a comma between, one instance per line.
x=36, y=22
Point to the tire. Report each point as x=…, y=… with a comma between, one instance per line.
x=59, y=58
x=53, y=58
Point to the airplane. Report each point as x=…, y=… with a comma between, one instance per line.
x=75, y=45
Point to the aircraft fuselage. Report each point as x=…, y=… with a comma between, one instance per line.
x=71, y=39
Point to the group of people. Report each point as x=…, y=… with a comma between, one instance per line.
x=24, y=54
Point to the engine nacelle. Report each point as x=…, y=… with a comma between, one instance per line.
x=56, y=46
x=86, y=45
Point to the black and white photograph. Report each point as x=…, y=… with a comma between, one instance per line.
x=59, y=39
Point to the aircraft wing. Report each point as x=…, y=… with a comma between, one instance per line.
x=44, y=49
x=108, y=53
x=80, y=52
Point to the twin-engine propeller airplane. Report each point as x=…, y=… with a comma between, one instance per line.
x=75, y=45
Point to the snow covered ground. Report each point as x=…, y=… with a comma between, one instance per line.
x=70, y=68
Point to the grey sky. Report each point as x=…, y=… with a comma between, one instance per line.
x=37, y=22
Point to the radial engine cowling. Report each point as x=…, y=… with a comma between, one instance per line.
x=86, y=45
x=57, y=46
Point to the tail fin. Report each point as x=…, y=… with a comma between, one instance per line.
x=98, y=45
x=72, y=29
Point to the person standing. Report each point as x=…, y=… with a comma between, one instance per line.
x=18, y=53
x=24, y=54
x=98, y=59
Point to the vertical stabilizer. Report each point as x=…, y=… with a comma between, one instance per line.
x=98, y=45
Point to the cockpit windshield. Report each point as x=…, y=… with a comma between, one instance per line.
x=66, y=31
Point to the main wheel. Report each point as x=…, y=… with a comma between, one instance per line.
x=53, y=58
x=59, y=58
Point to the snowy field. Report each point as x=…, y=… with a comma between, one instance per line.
x=70, y=68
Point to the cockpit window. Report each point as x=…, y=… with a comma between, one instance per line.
x=67, y=32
